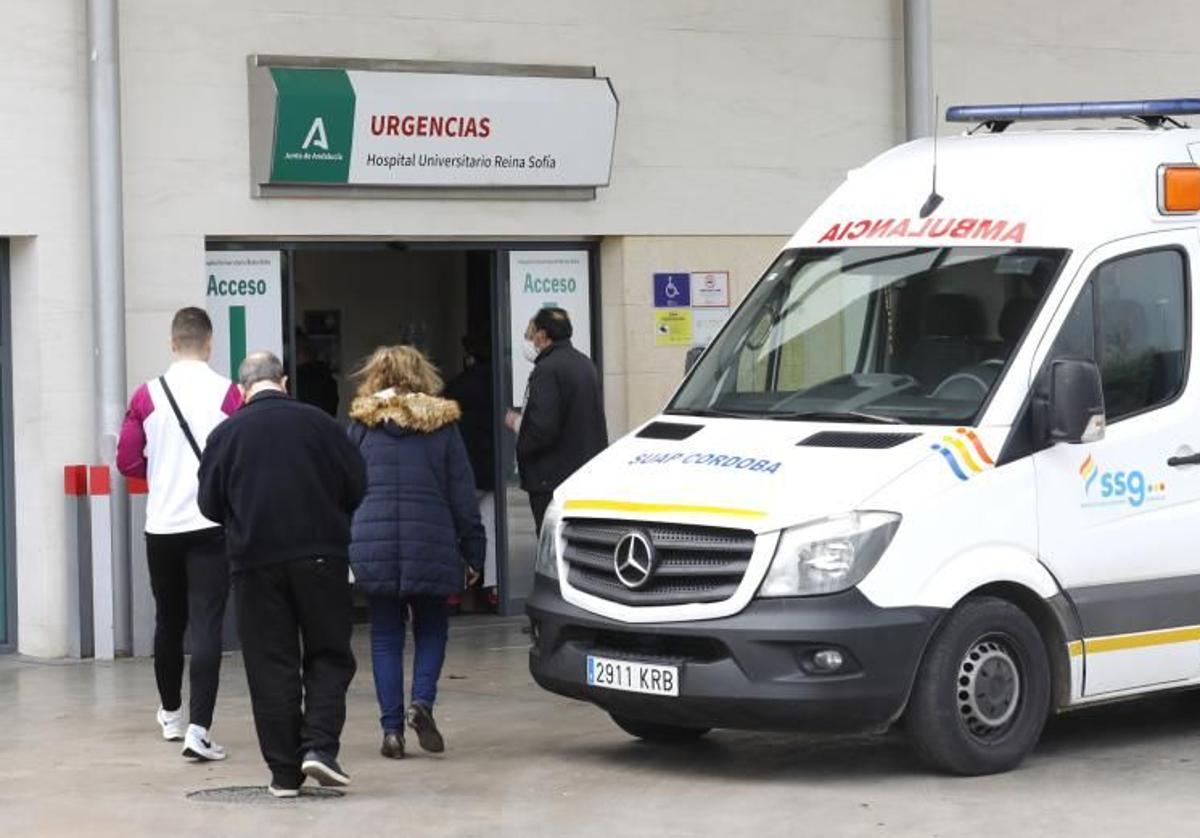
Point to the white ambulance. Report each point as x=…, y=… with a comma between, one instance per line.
x=942, y=465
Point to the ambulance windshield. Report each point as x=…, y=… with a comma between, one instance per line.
x=897, y=335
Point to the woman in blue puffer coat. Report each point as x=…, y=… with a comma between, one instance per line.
x=413, y=533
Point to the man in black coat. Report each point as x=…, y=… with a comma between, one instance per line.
x=562, y=424
x=283, y=479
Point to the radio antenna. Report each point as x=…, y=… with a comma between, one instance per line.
x=934, y=200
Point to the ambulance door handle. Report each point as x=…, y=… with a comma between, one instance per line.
x=1189, y=460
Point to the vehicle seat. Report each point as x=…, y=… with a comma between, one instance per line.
x=1166, y=377
x=952, y=332
x=1014, y=319
x=1127, y=361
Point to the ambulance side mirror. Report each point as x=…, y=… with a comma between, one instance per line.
x=1076, y=403
x=693, y=355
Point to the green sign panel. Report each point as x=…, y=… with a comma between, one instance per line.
x=314, y=126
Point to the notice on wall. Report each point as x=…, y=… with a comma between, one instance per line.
x=245, y=301
x=673, y=327
x=706, y=323
x=343, y=127
x=710, y=289
x=538, y=279
x=689, y=308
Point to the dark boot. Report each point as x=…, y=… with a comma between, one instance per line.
x=420, y=719
x=393, y=744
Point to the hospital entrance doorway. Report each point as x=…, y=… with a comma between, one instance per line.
x=465, y=307
x=347, y=303
x=325, y=306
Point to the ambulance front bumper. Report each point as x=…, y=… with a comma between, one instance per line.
x=753, y=671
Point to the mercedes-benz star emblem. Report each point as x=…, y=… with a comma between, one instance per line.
x=634, y=560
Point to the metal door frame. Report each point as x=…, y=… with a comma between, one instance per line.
x=8, y=509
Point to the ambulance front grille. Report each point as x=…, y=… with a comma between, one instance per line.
x=694, y=564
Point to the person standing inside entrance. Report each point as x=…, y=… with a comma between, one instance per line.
x=284, y=480
x=473, y=391
x=417, y=528
x=161, y=440
x=561, y=425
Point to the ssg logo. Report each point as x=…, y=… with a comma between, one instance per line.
x=964, y=454
x=1109, y=488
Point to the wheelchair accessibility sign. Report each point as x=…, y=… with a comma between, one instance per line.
x=672, y=290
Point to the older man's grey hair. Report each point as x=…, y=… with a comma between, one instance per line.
x=258, y=367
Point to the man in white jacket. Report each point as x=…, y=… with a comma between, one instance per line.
x=165, y=429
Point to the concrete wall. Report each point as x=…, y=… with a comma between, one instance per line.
x=736, y=119
x=1025, y=50
x=44, y=206
x=715, y=99
x=639, y=376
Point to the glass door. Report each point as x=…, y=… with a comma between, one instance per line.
x=529, y=279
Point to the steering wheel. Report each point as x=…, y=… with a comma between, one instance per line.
x=949, y=381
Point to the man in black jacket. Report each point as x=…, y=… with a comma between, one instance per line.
x=283, y=479
x=562, y=424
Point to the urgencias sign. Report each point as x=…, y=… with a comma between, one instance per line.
x=363, y=127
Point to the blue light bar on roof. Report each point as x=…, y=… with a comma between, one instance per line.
x=1137, y=108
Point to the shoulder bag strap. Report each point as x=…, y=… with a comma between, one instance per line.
x=183, y=425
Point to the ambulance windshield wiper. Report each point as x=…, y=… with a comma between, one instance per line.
x=713, y=412
x=836, y=416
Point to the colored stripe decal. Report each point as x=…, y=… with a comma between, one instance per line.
x=983, y=454
x=660, y=508
x=237, y=339
x=958, y=472
x=1142, y=640
x=966, y=455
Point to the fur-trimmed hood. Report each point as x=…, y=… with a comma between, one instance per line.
x=417, y=412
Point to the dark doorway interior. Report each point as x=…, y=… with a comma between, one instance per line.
x=346, y=303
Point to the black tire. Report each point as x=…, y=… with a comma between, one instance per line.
x=658, y=733
x=968, y=714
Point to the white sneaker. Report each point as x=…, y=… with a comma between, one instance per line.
x=197, y=746
x=279, y=791
x=172, y=724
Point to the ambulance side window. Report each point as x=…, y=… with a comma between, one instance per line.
x=1132, y=319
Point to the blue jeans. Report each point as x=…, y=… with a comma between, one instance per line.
x=431, y=627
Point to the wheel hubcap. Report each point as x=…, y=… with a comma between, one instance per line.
x=988, y=688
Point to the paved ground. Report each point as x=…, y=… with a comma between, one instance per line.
x=79, y=754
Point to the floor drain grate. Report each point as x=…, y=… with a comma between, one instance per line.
x=258, y=795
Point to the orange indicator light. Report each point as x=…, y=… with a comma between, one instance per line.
x=1179, y=189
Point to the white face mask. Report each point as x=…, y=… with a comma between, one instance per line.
x=530, y=351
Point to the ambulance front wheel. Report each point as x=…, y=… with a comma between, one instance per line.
x=658, y=733
x=982, y=692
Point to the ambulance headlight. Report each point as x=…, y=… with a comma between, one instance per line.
x=828, y=556
x=547, y=563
